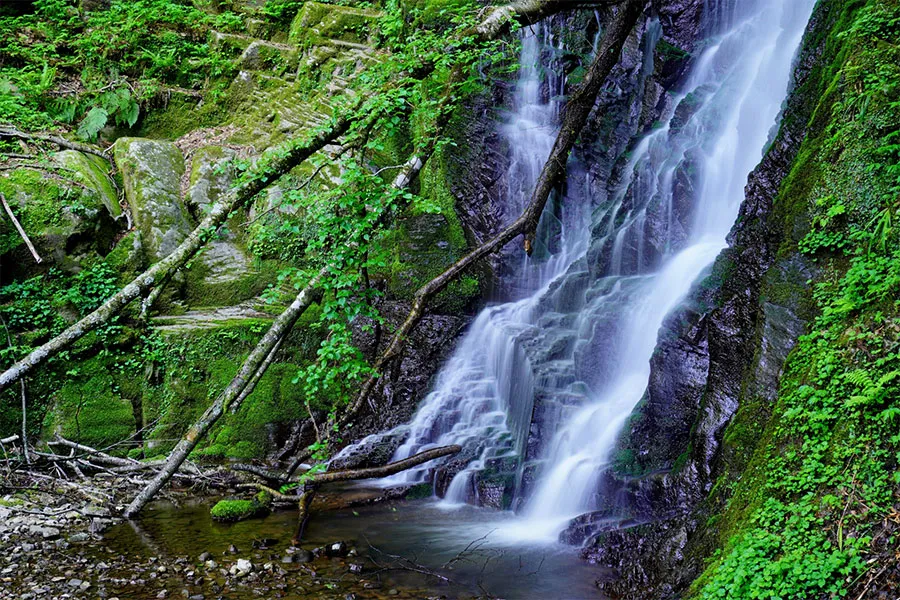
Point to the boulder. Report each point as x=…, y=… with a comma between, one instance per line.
x=151, y=171
x=68, y=211
x=225, y=274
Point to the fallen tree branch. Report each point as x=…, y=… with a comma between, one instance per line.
x=97, y=455
x=254, y=363
x=575, y=117
x=53, y=139
x=21, y=231
x=312, y=482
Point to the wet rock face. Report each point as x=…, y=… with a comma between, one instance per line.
x=406, y=381
x=726, y=346
x=682, y=21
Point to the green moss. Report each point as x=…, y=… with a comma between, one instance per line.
x=181, y=114
x=55, y=209
x=316, y=23
x=88, y=407
x=418, y=492
x=796, y=520
x=237, y=510
x=201, y=362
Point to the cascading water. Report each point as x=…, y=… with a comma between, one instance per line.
x=477, y=400
x=729, y=103
x=551, y=376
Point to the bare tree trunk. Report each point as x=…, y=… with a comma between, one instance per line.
x=271, y=165
x=21, y=231
x=24, y=423
x=257, y=359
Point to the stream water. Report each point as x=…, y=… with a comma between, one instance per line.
x=464, y=548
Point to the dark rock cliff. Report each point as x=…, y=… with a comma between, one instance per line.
x=725, y=348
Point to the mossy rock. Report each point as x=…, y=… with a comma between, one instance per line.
x=151, y=171
x=67, y=213
x=436, y=12
x=89, y=409
x=93, y=172
x=316, y=23
x=230, y=511
x=225, y=274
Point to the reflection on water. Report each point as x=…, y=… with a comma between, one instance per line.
x=463, y=545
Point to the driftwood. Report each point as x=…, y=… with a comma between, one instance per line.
x=53, y=139
x=313, y=482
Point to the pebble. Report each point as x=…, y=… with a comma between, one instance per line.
x=242, y=568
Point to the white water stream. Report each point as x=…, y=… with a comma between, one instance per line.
x=485, y=396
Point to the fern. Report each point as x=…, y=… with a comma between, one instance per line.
x=92, y=123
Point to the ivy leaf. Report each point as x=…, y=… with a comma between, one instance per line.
x=92, y=123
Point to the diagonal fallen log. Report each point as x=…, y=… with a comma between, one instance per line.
x=257, y=358
x=575, y=116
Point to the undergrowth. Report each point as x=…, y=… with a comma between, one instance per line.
x=827, y=468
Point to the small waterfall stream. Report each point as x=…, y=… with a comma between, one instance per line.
x=477, y=400
x=551, y=376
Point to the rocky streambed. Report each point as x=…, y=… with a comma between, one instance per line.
x=62, y=540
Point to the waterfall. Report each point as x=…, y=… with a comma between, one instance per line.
x=547, y=379
x=725, y=113
x=480, y=397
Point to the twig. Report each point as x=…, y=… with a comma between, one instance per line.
x=477, y=543
x=62, y=143
x=403, y=563
x=871, y=581
x=22, y=381
x=21, y=231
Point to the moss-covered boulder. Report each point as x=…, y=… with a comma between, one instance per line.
x=68, y=211
x=238, y=510
x=151, y=171
x=93, y=172
x=225, y=273
x=316, y=23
